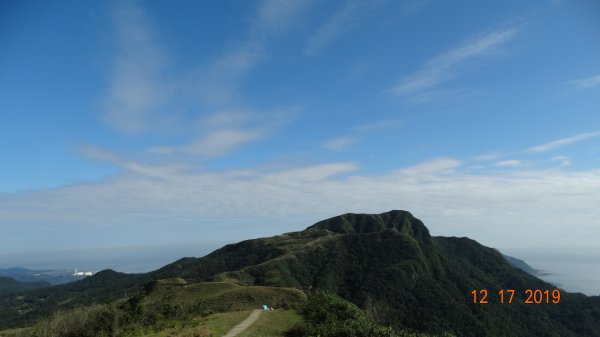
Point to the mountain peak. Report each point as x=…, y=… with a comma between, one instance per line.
x=399, y=220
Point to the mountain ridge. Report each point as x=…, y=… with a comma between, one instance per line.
x=362, y=223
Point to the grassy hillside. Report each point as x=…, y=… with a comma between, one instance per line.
x=273, y=324
x=219, y=296
x=170, y=307
x=320, y=314
x=217, y=324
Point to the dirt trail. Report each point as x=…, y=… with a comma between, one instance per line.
x=243, y=325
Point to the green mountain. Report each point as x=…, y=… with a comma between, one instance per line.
x=9, y=285
x=387, y=264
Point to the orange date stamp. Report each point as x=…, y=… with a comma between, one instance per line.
x=531, y=296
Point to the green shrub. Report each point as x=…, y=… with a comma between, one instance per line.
x=327, y=315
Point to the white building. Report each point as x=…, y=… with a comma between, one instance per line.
x=82, y=273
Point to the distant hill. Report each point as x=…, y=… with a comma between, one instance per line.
x=53, y=277
x=520, y=264
x=388, y=264
x=9, y=285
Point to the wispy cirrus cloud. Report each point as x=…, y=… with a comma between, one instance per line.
x=564, y=160
x=563, y=142
x=339, y=143
x=353, y=14
x=377, y=125
x=509, y=163
x=130, y=166
x=356, y=133
x=142, y=97
x=424, y=84
x=343, y=20
x=225, y=132
x=216, y=82
x=585, y=83
x=215, y=143
x=218, y=135
x=487, y=156
x=432, y=167
x=276, y=16
x=137, y=87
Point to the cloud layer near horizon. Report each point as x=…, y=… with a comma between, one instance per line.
x=150, y=204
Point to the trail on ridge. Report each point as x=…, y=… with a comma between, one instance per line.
x=243, y=325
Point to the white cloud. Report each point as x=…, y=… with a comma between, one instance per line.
x=433, y=96
x=564, y=160
x=95, y=153
x=344, y=142
x=137, y=88
x=585, y=83
x=509, y=163
x=216, y=82
x=474, y=167
x=545, y=207
x=311, y=173
x=339, y=143
x=487, y=157
x=141, y=97
x=432, y=167
x=345, y=19
x=446, y=66
x=225, y=132
x=390, y=123
x=275, y=16
x=354, y=13
x=563, y=141
x=228, y=118
x=222, y=142
x=155, y=171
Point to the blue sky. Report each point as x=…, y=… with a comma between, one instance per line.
x=132, y=124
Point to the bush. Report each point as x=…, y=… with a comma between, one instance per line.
x=94, y=321
x=328, y=315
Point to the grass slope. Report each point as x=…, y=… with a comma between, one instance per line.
x=273, y=324
x=170, y=307
x=217, y=324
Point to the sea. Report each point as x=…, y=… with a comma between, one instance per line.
x=572, y=271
